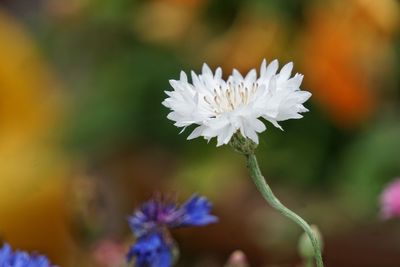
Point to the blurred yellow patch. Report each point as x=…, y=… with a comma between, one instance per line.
x=33, y=197
x=167, y=22
x=251, y=38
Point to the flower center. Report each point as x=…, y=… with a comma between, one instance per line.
x=230, y=97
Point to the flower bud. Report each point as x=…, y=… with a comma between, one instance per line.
x=237, y=259
x=305, y=247
x=390, y=200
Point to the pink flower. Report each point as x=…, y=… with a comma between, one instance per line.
x=390, y=200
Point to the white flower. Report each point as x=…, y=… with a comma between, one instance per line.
x=221, y=108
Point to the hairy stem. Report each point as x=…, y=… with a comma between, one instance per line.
x=269, y=196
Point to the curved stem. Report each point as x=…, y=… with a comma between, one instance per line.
x=269, y=196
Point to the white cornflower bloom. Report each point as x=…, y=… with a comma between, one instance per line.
x=221, y=108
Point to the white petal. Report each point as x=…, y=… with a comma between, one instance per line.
x=249, y=132
x=253, y=136
x=297, y=80
x=302, y=109
x=236, y=75
x=173, y=116
x=250, y=77
x=258, y=125
x=196, y=132
x=225, y=135
x=165, y=103
x=183, y=129
x=218, y=74
x=263, y=67
x=206, y=69
x=304, y=96
x=229, y=136
x=168, y=93
x=183, y=77
x=271, y=69
x=286, y=71
x=275, y=123
x=196, y=81
x=272, y=86
x=218, y=123
x=173, y=83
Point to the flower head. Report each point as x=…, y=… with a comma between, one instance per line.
x=158, y=213
x=221, y=107
x=390, y=200
x=8, y=258
x=150, y=224
x=152, y=251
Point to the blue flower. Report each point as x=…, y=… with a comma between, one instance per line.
x=160, y=212
x=150, y=224
x=152, y=251
x=195, y=212
x=8, y=258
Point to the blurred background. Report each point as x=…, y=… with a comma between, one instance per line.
x=84, y=138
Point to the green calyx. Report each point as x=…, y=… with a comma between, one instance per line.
x=242, y=144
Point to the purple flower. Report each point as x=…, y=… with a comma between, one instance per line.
x=8, y=258
x=150, y=224
x=390, y=200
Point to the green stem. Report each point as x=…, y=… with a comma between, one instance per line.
x=308, y=263
x=269, y=196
